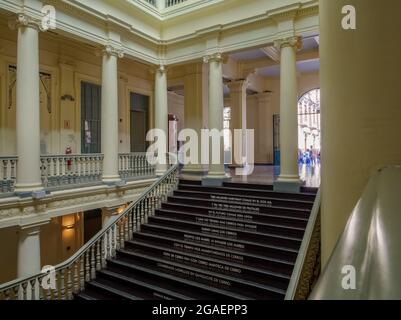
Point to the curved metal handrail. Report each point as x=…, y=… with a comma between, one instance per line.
x=366, y=261
x=112, y=236
x=307, y=260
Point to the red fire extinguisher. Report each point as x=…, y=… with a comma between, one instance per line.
x=68, y=150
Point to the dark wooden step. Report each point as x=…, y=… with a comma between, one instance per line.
x=151, y=290
x=191, y=198
x=112, y=291
x=242, y=198
x=274, y=195
x=242, y=225
x=268, y=250
x=208, y=277
x=240, y=257
x=239, y=215
x=242, y=271
x=228, y=233
x=204, y=292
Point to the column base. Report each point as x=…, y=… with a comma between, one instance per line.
x=215, y=180
x=30, y=190
x=288, y=184
x=111, y=180
x=195, y=169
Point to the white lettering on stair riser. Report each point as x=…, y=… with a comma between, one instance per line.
x=238, y=207
x=200, y=263
x=209, y=252
x=223, y=214
x=227, y=224
x=214, y=242
x=220, y=233
x=242, y=200
x=195, y=275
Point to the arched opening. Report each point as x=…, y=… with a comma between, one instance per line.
x=309, y=128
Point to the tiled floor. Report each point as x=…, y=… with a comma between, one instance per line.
x=267, y=174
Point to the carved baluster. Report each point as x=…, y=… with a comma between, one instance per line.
x=122, y=229
x=93, y=265
x=98, y=262
x=113, y=242
x=126, y=228
x=87, y=267
x=16, y=292
x=62, y=285
x=76, y=169
x=82, y=272
x=117, y=226
x=130, y=231
x=76, y=277
x=24, y=290
x=103, y=253
x=108, y=244
x=69, y=284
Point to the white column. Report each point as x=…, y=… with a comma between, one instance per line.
x=28, y=106
x=238, y=120
x=28, y=251
x=110, y=114
x=289, y=174
x=161, y=112
x=216, y=109
x=194, y=101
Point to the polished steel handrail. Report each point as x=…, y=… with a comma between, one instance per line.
x=366, y=261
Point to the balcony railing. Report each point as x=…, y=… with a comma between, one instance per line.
x=8, y=171
x=132, y=165
x=170, y=3
x=164, y=3
x=62, y=171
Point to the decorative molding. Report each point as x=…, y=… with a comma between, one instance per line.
x=295, y=42
x=214, y=57
x=110, y=50
x=17, y=211
x=23, y=20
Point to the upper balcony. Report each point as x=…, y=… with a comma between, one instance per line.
x=166, y=9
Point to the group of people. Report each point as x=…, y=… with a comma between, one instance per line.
x=309, y=157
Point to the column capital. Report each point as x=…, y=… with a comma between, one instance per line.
x=159, y=69
x=216, y=57
x=295, y=42
x=110, y=50
x=25, y=21
x=238, y=85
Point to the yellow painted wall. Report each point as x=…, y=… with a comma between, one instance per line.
x=360, y=97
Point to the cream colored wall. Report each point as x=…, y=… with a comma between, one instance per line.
x=69, y=63
x=360, y=97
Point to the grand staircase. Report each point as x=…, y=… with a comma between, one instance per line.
x=239, y=241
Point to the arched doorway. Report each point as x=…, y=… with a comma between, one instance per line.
x=309, y=127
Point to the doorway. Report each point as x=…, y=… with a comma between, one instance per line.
x=139, y=121
x=90, y=118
